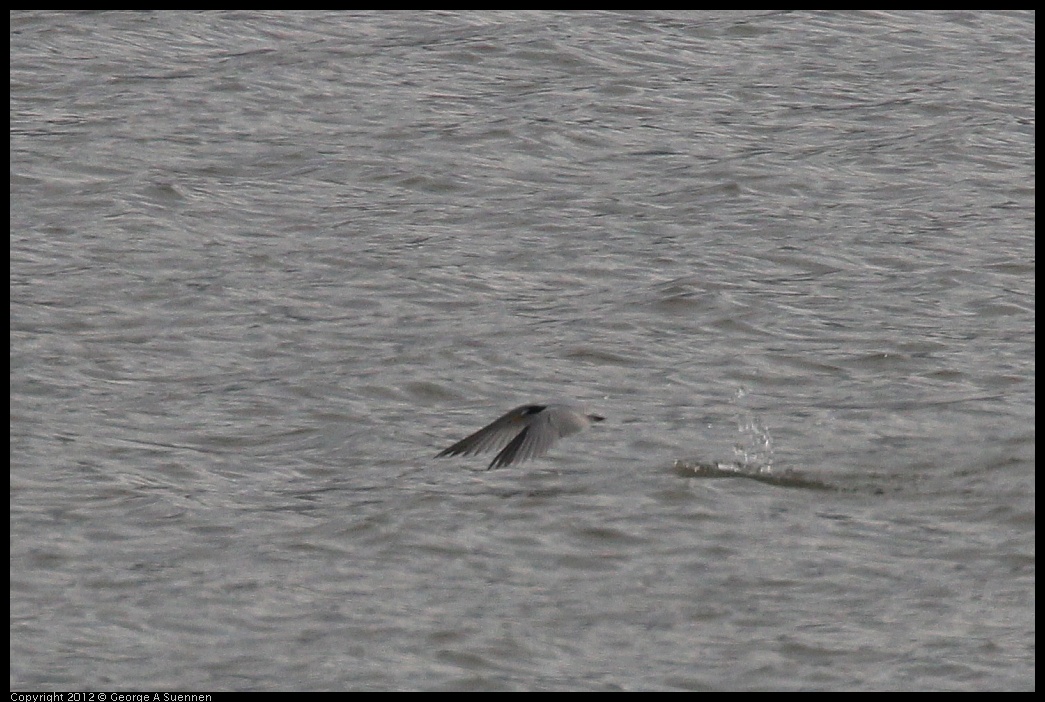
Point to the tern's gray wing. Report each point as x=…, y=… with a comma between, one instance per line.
x=533, y=441
x=494, y=436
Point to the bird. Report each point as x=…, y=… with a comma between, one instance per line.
x=528, y=431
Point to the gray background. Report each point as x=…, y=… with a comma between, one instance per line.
x=265, y=265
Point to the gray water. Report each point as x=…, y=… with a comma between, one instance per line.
x=264, y=266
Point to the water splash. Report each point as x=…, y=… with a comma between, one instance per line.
x=754, y=446
x=788, y=478
x=752, y=456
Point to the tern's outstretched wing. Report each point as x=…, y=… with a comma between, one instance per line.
x=497, y=435
x=533, y=441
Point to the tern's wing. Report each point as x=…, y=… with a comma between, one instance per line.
x=494, y=436
x=532, y=442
